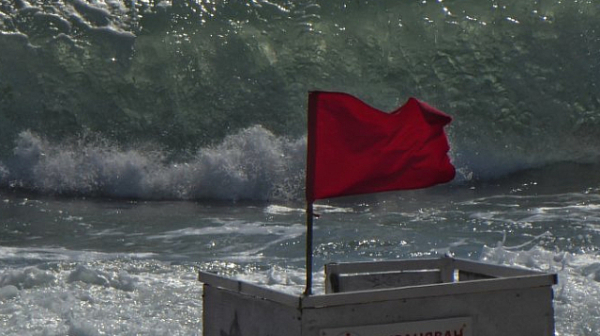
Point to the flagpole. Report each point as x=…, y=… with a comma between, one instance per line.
x=309, y=184
x=309, y=248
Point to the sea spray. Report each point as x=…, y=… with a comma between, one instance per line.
x=252, y=164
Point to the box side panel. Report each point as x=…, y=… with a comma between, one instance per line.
x=470, y=276
x=348, y=283
x=517, y=312
x=228, y=313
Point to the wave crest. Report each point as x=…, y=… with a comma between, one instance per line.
x=252, y=164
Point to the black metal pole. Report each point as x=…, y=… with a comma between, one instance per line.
x=309, y=248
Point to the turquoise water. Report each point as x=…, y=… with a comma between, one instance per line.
x=142, y=141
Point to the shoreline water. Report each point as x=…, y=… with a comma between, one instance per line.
x=119, y=267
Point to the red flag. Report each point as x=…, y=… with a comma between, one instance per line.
x=354, y=148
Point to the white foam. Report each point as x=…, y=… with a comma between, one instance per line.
x=8, y=292
x=332, y=209
x=280, y=233
x=121, y=280
x=291, y=281
x=237, y=227
x=28, y=277
x=252, y=164
x=323, y=208
x=16, y=254
x=281, y=210
x=96, y=299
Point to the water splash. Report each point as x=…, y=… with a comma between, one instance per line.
x=252, y=164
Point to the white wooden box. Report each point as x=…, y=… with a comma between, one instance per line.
x=422, y=297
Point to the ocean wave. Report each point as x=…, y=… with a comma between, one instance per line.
x=516, y=77
x=250, y=165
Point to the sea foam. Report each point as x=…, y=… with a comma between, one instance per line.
x=25, y=278
x=252, y=164
x=120, y=280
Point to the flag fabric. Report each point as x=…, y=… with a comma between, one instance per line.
x=354, y=148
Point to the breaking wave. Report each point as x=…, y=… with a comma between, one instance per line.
x=252, y=164
x=226, y=81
